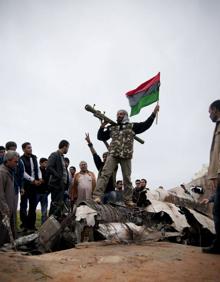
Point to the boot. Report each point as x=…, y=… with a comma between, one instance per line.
x=211, y=250
x=130, y=204
x=98, y=200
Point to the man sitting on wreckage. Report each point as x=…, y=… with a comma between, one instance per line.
x=139, y=194
x=120, y=151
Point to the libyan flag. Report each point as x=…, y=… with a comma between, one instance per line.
x=145, y=94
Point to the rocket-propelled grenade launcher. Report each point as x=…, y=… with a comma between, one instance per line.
x=104, y=118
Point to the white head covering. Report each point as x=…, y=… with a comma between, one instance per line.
x=126, y=118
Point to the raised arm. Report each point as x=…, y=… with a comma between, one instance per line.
x=103, y=132
x=96, y=158
x=92, y=149
x=139, y=127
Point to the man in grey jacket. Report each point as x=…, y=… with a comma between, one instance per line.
x=7, y=194
x=214, y=176
x=58, y=177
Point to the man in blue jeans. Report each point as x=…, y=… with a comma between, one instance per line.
x=42, y=190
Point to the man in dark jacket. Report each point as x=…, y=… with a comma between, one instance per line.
x=140, y=194
x=2, y=153
x=7, y=195
x=19, y=170
x=58, y=177
x=32, y=179
x=42, y=190
x=120, y=151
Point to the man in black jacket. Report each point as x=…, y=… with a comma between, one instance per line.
x=120, y=151
x=58, y=177
x=140, y=194
x=32, y=179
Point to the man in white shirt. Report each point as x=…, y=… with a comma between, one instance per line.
x=83, y=184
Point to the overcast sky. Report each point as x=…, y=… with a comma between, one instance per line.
x=57, y=56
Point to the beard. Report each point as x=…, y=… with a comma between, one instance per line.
x=213, y=118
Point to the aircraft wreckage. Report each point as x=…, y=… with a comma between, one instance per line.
x=166, y=216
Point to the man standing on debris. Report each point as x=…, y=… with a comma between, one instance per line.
x=120, y=151
x=58, y=177
x=7, y=196
x=214, y=175
x=83, y=184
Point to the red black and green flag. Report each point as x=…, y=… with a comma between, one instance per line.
x=144, y=95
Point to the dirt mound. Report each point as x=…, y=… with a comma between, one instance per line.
x=95, y=262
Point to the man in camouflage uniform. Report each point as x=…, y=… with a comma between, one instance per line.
x=120, y=151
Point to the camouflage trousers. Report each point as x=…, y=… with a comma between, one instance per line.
x=107, y=172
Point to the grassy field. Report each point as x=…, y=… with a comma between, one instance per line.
x=38, y=219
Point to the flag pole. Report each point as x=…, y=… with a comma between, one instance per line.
x=157, y=113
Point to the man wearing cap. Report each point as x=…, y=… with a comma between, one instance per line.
x=120, y=151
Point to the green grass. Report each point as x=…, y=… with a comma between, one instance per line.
x=38, y=219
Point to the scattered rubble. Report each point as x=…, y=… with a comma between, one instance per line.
x=166, y=216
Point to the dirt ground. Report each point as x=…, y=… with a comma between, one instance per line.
x=94, y=262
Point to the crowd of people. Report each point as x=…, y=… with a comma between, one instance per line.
x=36, y=180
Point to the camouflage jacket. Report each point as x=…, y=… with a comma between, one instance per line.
x=122, y=141
x=123, y=136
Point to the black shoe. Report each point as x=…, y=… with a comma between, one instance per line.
x=31, y=230
x=211, y=250
x=23, y=229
